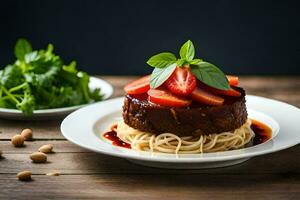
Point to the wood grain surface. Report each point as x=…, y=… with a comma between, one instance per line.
x=88, y=175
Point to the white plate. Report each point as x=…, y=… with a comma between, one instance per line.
x=85, y=127
x=106, y=90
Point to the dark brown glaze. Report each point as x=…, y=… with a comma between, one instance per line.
x=198, y=119
x=262, y=132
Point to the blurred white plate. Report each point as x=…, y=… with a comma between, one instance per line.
x=54, y=113
x=86, y=126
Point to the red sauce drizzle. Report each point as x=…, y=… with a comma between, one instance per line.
x=262, y=132
x=112, y=136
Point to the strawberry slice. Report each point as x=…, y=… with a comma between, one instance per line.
x=203, y=96
x=231, y=92
x=165, y=98
x=233, y=80
x=182, y=82
x=142, y=85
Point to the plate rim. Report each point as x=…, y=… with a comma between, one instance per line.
x=181, y=159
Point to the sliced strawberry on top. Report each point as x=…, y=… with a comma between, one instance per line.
x=231, y=92
x=166, y=98
x=203, y=96
x=233, y=80
x=182, y=82
x=139, y=86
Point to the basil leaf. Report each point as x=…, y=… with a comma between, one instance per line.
x=160, y=75
x=195, y=61
x=162, y=60
x=22, y=48
x=187, y=51
x=210, y=75
x=181, y=62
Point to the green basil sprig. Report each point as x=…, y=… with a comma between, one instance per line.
x=160, y=75
x=162, y=60
x=165, y=63
x=187, y=51
x=210, y=75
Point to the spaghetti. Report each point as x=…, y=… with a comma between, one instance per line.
x=171, y=143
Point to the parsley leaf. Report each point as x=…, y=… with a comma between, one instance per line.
x=40, y=80
x=22, y=48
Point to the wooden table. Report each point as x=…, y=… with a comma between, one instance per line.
x=86, y=174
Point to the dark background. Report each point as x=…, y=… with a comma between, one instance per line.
x=117, y=37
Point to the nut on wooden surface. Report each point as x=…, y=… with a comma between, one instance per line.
x=53, y=174
x=27, y=134
x=17, y=140
x=38, y=157
x=47, y=148
x=24, y=175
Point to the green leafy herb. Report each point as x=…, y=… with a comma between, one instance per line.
x=162, y=60
x=31, y=57
x=195, y=61
x=160, y=75
x=22, y=48
x=165, y=64
x=210, y=75
x=187, y=51
x=40, y=80
x=181, y=62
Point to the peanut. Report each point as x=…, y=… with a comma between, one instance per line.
x=24, y=176
x=53, y=174
x=38, y=157
x=46, y=148
x=17, y=140
x=27, y=134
